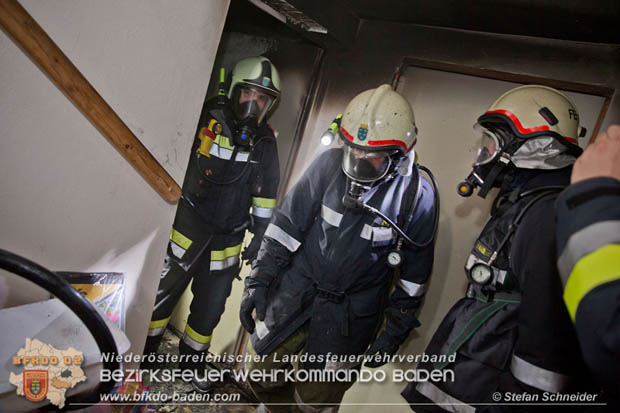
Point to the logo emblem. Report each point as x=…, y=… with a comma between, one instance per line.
x=362, y=132
x=266, y=81
x=35, y=384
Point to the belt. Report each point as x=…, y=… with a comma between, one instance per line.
x=337, y=297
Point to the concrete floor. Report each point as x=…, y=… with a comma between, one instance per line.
x=170, y=344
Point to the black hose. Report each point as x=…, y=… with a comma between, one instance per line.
x=83, y=308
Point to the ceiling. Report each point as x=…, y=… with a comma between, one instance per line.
x=580, y=20
x=577, y=20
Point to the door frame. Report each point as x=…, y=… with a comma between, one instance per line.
x=605, y=92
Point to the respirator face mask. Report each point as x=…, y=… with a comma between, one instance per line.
x=250, y=105
x=488, y=164
x=363, y=168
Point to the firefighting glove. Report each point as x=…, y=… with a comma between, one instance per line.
x=254, y=297
x=398, y=325
x=258, y=228
x=381, y=350
x=251, y=251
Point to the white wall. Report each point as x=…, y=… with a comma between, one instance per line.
x=68, y=200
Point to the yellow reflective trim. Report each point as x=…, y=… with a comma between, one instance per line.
x=264, y=202
x=196, y=336
x=600, y=267
x=223, y=254
x=180, y=239
x=159, y=323
x=223, y=142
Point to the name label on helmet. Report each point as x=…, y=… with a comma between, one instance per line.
x=572, y=114
x=362, y=132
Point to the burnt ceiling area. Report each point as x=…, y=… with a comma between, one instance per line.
x=577, y=20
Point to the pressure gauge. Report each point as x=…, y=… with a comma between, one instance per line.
x=480, y=273
x=394, y=259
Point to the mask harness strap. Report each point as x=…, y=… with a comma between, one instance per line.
x=493, y=174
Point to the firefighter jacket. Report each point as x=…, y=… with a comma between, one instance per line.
x=515, y=334
x=588, y=232
x=221, y=184
x=328, y=264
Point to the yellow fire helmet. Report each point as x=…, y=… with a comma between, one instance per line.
x=379, y=119
x=533, y=111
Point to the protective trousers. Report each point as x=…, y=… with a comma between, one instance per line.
x=210, y=290
x=282, y=396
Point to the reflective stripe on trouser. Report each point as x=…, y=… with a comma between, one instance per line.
x=226, y=258
x=196, y=340
x=443, y=399
x=157, y=327
x=538, y=377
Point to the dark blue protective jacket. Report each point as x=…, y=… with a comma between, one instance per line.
x=328, y=263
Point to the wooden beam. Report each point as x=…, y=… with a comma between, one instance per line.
x=41, y=48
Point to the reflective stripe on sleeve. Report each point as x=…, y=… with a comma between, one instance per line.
x=600, y=267
x=411, y=288
x=262, y=212
x=157, y=327
x=263, y=207
x=196, y=340
x=443, y=399
x=264, y=202
x=180, y=239
x=586, y=241
x=222, y=259
x=538, y=377
x=330, y=216
x=278, y=234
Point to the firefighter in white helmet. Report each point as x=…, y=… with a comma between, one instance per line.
x=322, y=279
x=511, y=333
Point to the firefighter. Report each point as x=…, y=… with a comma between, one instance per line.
x=588, y=235
x=233, y=166
x=321, y=282
x=511, y=333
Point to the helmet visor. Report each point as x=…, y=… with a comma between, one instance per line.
x=490, y=145
x=251, y=102
x=365, y=166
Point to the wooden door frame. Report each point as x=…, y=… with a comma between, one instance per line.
x=605, y=92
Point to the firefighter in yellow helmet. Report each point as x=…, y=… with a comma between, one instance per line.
x=322, y=280
x=230, y=186
x=511, y=333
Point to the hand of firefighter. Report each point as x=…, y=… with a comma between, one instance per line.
x=399, y=324
x=251, y=251
x=254, y=297
x=381, y=350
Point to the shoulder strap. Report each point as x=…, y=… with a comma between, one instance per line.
x=410, y=199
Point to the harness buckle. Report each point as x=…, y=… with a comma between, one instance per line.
x=333, y=296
